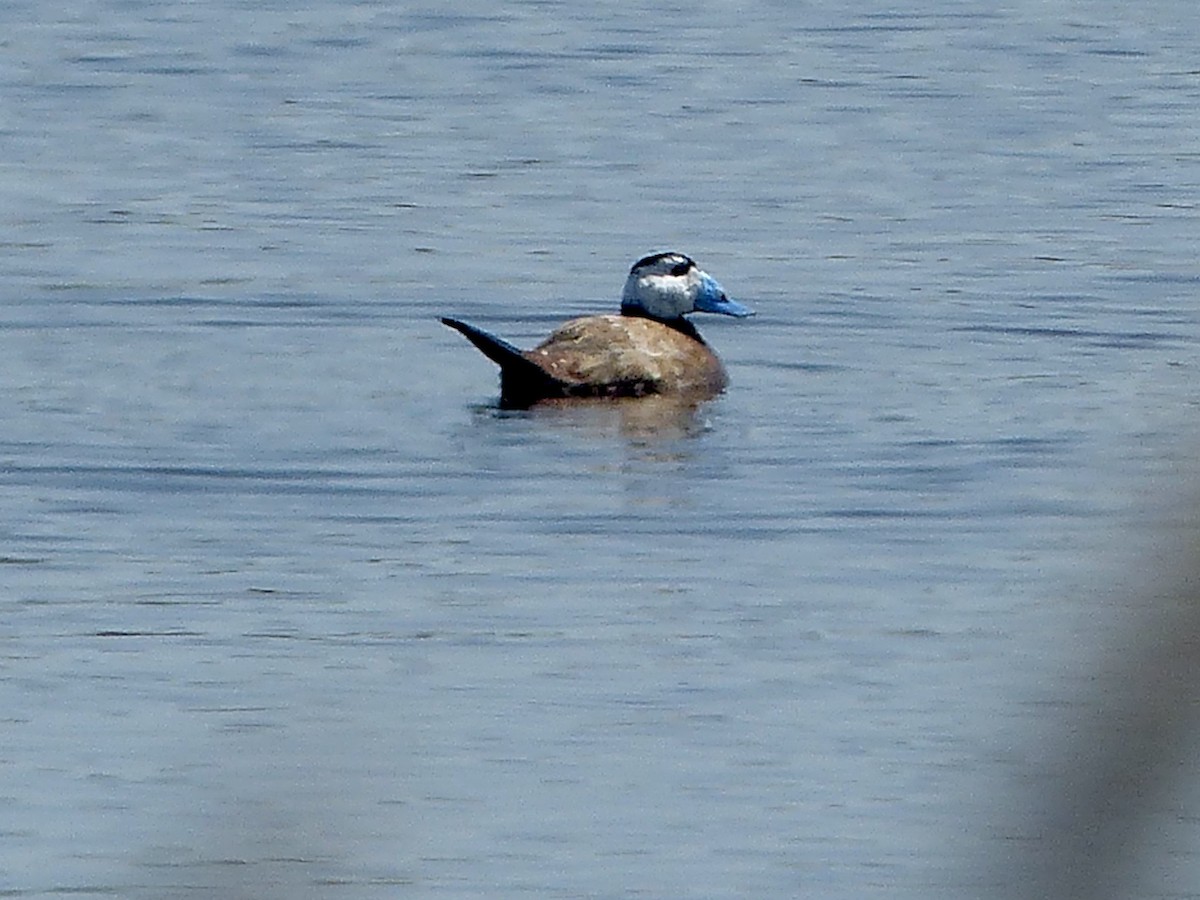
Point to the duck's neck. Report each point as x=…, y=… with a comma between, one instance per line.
x=680, y=324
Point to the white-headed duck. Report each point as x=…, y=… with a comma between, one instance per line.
x=650, y=348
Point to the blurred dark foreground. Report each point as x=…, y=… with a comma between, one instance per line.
x=1121, y=751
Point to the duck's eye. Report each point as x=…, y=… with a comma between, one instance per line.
x=680, y=268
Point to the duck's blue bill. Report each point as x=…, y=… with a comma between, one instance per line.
x=712, y=299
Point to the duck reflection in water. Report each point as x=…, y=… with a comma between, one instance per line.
x=649, y=349
x=655, y=419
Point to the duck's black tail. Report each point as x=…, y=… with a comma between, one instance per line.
x=522, y=381
x=498, y=350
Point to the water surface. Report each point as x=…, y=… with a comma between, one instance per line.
x=291, y=609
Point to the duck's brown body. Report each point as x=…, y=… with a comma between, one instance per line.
x=604, y=356
x=629, y=356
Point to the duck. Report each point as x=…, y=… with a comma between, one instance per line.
x=647, y=349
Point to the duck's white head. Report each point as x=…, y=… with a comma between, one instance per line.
x=667, y=286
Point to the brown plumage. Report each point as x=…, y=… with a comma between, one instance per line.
x=604, y=356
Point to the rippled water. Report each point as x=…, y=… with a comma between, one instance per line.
x=291, y=609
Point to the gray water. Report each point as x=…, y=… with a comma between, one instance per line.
x=291, y=609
